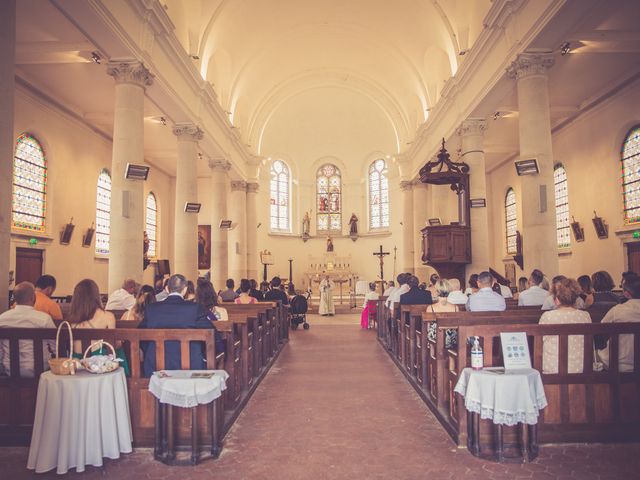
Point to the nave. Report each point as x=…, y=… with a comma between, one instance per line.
x=334, y=406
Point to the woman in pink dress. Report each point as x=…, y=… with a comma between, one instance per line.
x=244, y=297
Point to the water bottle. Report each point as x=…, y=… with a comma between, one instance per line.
x=477, y=355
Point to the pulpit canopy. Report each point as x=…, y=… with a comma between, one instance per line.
x=443, y=171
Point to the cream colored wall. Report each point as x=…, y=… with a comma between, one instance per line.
x=76, y=155
x=589, y=148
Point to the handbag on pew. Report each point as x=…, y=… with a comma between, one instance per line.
x=64, y=365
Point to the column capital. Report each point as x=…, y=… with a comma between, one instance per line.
x=238, y=186
x=252, y=187
x=472, y=126
x=219, y=164
x=130, y=72
x=531, y=63
x=406, y=185
x=187, y=131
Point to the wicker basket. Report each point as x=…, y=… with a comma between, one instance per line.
x=107, y=366
x=65, y=365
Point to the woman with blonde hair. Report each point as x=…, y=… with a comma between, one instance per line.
x=442, y=289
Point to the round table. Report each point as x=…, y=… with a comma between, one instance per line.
x=79, y=420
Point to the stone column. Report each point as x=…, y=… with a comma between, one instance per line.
x=538, y=222
x=186, y=224
x=422, y=210
x=253, y=270
x=238, y=235
x=127, y=196
x=7, y=95
x=219, y=244
x=472, y=135
x=408, y=232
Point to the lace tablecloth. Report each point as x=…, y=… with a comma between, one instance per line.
x=177, y=388
x=506, y=397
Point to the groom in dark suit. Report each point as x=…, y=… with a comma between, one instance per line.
x=174, y=312
x=415, y=295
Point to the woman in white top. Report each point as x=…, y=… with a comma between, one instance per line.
x=565, y=293
x=371, y=295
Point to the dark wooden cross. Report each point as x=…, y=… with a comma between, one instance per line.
x=381, y=255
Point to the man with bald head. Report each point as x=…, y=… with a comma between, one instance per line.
x=124, y=298
x=24, y=316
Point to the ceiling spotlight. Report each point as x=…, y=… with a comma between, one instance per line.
x=163, y=120
x=463, y=52
x=565, y=48
x=195, y=57
x=497, y=115
x=96, y=58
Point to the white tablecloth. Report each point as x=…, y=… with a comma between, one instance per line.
x=177, y=388
x=508, y=398
x=79, y=420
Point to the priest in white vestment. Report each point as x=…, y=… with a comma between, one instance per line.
x=326, y=297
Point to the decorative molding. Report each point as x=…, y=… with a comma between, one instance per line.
x=472, y=126
x=500, y=12
x=187, y=131
x=531, y=63
x=219, y=164
x=238, y=186
x=252, y=187
x=130, y=72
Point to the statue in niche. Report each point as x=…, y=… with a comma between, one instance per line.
x=306, y=223
x=329, y=244
x=353, y=225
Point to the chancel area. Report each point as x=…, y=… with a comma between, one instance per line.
x=294, y=239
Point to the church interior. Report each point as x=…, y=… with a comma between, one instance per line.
x=336, y=145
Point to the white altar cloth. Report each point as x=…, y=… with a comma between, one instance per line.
x=177, y=388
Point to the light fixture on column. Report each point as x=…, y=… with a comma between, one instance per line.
x=565, y=48
x=225, y=224
x=527, y=167
x=96, y=58
x=192, y=207
x=136, y=172
x=478, y=202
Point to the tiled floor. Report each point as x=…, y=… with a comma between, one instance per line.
x=335, y=407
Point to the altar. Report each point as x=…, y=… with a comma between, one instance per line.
x=337, y=268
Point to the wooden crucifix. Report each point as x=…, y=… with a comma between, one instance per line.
x=381, y=256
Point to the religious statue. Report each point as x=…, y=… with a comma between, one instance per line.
x=353, y=225
x=329, y=245
x=326, y=297
x=306, y=223
x=145, y=251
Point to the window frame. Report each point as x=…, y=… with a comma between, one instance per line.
x=566, y=229
x=383, y=179
x=508, y=221
x=41, y=226
x=320, y=173
x=98, y=233
x=272, y=173
x=624, y=157
x=153, y=242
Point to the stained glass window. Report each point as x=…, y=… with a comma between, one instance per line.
x=279, y=196
x=511, y=218
x=29, y=185
x=151, y=223
x=378, y=195
x=103, y=212
x=631, y=176
x=563, y=227
x=329, y=199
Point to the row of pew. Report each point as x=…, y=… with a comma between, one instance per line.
x=254, y=335
x=592, y=406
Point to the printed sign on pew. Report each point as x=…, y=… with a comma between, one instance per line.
x=515, y=350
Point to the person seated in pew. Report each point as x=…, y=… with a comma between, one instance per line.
x=587, y=292
x=275, y=294
x=485, y=299
x=629, y=311
x=456, y=296
x=164, y=293
x=146, y=296
x=523, y=284
x=415, y=295
x=228, y=295
x=45, y=286
x=244, y=297
x=390, y=286
x=401, y=289
x=626, y=276
x=603, y=286
x=206, y=296
x=549, y=302
x=534, y=295
x=191, y=292
x=175, y=312
x=442, y=304
x=371, y=295
x=502, y=289
x=254, y=292
x=565, y=293
x=124, y=298
x=434, y=278
x=473, y=285
x=24, y=315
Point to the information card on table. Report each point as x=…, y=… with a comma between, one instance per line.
x=515, y=350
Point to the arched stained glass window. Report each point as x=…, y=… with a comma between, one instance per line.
x=329, y=199
x=29, y=200
x=279, y=199
x=511, y=218
x=151, y=224
x=563, y=227
x=631, y=176
x=103, y=212
x=378, y=195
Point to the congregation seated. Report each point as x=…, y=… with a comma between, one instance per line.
x=254, y=292
x=626, y=276
x=244, y=297
x=390, y=286
x=228, y=295
x=400, y=289
x=190, y=296
x=164, y=292
x=628, y=311
x=45, y=286
x=456, y=296
x=534, y=295
x=173, y=313
x=207, y=298
x=275, y=293
x=415, y=295
x=434, y=278
x=587, y=292
x=370, y=296
x=146, y=296
x=565, y=292
x=523, y=284
x=603, y=286
x=442, y=303
x=473, y=285
x=123, y=298
x=24, y=315
x=485, y=299
x=502, y=289
x=549, y=302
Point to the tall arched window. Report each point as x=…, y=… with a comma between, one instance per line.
x=103, y=212
x=631, y=175
x=329, y=199
x=279, y=200
x=563, y=227
x=151, y=224
x=511, y=218
x=29, y=185
x=378, y=195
